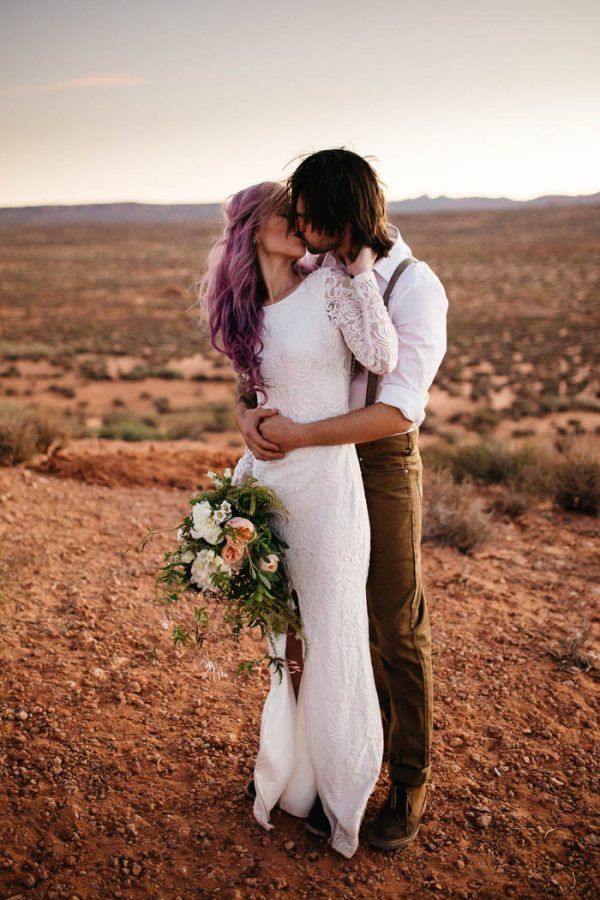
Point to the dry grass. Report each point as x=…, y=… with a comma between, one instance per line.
x=490, y=462
x=453, y=513
x=577, y=483
x=569, y=474
x=25, y=432
x=572, y=653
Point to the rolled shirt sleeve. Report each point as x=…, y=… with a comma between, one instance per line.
x=419, y=317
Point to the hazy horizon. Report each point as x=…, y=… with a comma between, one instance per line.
x=186, y=104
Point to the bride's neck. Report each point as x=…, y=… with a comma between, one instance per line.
x=278, y=274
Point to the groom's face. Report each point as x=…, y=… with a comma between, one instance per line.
x=318, y=241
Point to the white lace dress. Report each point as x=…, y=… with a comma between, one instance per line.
x=330, y=741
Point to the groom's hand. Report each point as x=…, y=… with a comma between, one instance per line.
x=249, y=421
x=286, y=433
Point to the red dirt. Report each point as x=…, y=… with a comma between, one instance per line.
x=122, y=766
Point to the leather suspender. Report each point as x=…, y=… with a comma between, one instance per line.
x=373, y=378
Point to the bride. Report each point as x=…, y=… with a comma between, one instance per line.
x=291, y=339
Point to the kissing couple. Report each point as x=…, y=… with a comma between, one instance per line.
x=336, y=333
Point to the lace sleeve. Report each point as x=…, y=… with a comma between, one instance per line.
x=356, y=307
x=243, y=467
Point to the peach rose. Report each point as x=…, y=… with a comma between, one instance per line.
x=270, y=564
x=244, y=531
x=233, y=554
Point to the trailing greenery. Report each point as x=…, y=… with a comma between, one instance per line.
x=231, y=555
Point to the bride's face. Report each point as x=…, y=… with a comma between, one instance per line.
x=275, y=238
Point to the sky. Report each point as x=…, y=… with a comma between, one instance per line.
x=189, y=101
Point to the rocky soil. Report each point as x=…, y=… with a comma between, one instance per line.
x=123, y=762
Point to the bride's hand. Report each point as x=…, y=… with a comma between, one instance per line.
x=364, y=262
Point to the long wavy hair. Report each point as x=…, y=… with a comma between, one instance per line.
x=339, y=187
x=232, y=292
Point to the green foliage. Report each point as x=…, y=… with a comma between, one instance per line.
x=247, y=597
x=194, y=424
x=124, y=425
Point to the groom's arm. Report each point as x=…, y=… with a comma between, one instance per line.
x=421, y=327
x=357, y=427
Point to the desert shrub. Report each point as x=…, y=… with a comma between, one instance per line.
x=94, y=371
x=573, y=650
x=62, y=390
x=185, y=426
x=576, y=480
x=511, y=503
x=25, y=432
x=220, y=417
x=32, y=350
x=453, y=513
x=200, y=376
x=165, y=373
x=11, y=371
x=137, y=373
x=192, y=424
x=140, y=372
x=485, y=420
x=124, y=425
x=488, y=461
x=161, y=405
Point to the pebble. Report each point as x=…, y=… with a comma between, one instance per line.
x=289, y=845
x=483, y=820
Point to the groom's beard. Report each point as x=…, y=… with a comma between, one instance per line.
x=316, y=249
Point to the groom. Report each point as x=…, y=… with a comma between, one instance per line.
x=337, y=206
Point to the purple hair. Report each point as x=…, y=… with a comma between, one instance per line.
x=233, y=290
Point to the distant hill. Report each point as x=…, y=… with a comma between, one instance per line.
x=181, y=213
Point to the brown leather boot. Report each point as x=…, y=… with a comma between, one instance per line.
x=399, y=820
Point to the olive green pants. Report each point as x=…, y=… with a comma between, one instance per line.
x=399, y=631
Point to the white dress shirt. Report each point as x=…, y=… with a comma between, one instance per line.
x=417, y=307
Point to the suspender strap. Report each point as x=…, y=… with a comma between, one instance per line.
x=373, y=379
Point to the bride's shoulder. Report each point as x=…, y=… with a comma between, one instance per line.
x=325, y=274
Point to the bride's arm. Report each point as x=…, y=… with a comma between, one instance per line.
x=356, y=307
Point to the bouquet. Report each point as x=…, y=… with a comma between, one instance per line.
x=230, y=554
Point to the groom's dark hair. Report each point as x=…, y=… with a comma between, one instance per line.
x=339, y=188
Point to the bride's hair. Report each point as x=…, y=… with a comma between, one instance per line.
x=232, y=292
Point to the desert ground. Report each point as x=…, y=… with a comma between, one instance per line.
x=123, y=759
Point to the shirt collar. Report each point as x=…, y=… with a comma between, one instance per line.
x=400, y=250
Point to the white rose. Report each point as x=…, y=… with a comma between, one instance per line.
x=204, y=526
x=205, y=564
x=187, y=557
